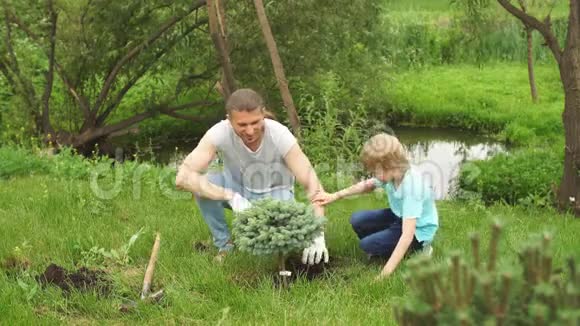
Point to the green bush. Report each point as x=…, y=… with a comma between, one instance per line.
x=276, y=227
x=471, y=291
x=16, y=161
x=515, y=177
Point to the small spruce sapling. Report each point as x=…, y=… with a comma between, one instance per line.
x=274, y=227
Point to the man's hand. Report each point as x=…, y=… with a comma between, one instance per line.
x=239, y=203
x=323, y=198
x=316, y=252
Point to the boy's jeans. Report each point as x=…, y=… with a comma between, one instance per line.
x=379, y=232
x=213, y=210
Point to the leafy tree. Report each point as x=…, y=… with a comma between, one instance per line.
x=567, y=57
x=82, y=71
x=97, y=52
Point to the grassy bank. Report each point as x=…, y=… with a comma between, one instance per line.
x=490, y=99
x=54, y=219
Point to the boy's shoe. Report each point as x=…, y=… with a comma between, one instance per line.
x=428, y=250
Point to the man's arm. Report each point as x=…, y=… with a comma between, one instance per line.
x=409, y=225
x=300, y=166
x=190, y=175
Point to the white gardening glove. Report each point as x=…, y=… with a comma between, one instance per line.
x=316, y=252
x=239, y=203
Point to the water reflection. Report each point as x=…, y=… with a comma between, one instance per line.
x=436, y=153
x=439, y=153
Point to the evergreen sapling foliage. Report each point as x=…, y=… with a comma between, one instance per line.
x=274, y=227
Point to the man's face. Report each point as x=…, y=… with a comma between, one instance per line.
x=248, y=125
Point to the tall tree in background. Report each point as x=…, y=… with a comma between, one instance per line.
x=218, y=33
x=80, y=72
x=278, y=67
x=568, y=59
x=530, y=48
x=95, y=60
x=479, y=17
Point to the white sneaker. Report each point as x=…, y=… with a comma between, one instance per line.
x=428, y=250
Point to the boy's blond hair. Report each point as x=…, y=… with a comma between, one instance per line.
x=385, y=151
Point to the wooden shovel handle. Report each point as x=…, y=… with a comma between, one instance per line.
x=151, y=267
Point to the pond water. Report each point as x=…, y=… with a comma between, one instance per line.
x=436, y=153
x=439, y=153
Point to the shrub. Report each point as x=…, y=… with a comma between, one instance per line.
x=470, y=292
x=276, y=227
x=16, y=161
x=513, y=177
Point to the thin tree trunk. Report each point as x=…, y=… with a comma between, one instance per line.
x=531, y=74
x=217, y=31
x=282, y=267
x=46, y=126
x=278, y=67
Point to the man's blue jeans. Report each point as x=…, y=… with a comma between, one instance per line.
x=379, y=232
x=213, y=210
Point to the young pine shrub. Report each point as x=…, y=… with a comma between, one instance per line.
x=474, y=292
x=274, y=227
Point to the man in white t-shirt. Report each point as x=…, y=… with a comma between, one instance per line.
x=261, y=158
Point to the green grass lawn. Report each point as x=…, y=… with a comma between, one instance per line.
x=494, y=98
x=54, y=219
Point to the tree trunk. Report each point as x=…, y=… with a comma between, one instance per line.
x=278, y=67
x=217, y=30
x=569, y=191
x=531, y=73
x=568, y=194
x=46, y=125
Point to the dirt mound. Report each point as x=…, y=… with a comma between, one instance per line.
x=82, y=280
x=305, y=271
x=201, y=246
x=13, y=264
x=309, y=272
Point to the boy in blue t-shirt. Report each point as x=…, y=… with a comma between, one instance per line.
x=411, y=221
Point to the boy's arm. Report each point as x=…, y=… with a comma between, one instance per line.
x=323, y=198
x=409, y=225
x=358, y=188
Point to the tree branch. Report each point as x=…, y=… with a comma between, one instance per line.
x=83, y=103
x=8, y=39
x=181, y=116
x=544, y=28
x=131, y=82
x=278, y=67
x=12, y=71
x=12, y=64
x=221, y=46
x=572, y=38
x=8, y=76
x=136, y=50
x=147, y=114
